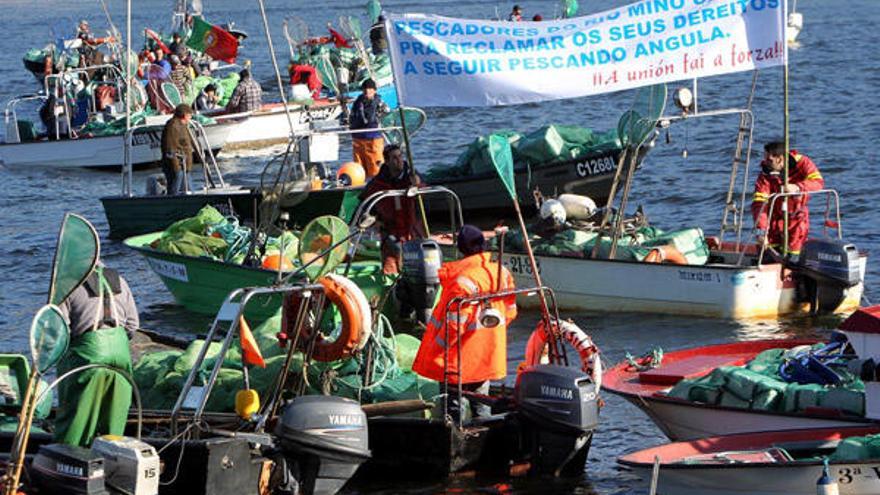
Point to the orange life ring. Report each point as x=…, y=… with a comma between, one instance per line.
x=356, y=320
x=666, y=254
x=591, y=364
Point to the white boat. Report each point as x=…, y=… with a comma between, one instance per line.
x=101, y=151
x=738, y=279
x=794, y=25
x=772, y=463
x=726, y=289
x=269, y=125
x=647, y=388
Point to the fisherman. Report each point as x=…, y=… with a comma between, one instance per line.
x=515, y=14
x=483, y=341
x=378, y=39
x=102, y=315
x=177, y=150
x=397, y=216
x=178, y=47
x=367, y=147
x=162, y=62
x=181, y=76
x=207, y=99
x=248, y=95
x=803, y=176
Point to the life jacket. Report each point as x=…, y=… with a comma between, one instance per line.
x=483, y=350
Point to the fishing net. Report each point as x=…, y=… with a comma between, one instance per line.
x=318, y=236
x=75, y=257
x=502, y=159
x=415, y=119
x=49, y=338
x=374, y=10
x=640, y=121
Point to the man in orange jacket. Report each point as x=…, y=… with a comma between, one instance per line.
x=483, y=345
x=803, y=176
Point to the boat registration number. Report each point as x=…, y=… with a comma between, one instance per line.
x=596, y=166
x=519, y=265
x=847, y=475
x=169, y=269
x=151, y=139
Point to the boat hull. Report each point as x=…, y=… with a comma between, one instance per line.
x=99, y=152
x=485, y=201
x=269, y=126
x=722, y=291
x=136, y=215
x=690, y=421
x=201, y=284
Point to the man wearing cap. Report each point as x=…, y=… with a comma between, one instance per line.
x=479, y=329
x=367, y=146
x=177, y=150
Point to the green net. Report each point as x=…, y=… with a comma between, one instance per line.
x=318, y=236
x=502, y=158
x=374, y=10
x=49, y=337
x=415, y=119
x=75, y=257
x=637, y=124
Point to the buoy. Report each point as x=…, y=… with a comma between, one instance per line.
x=351, y=174
x=247, y=403
x=577, y=206
x=273, y=261
x=553, y=209
x=826, y=485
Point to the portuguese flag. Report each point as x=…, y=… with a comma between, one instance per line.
x=213, y=40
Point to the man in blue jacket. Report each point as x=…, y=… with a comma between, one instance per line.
x=367, y=146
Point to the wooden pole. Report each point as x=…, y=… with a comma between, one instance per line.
x=785, y=130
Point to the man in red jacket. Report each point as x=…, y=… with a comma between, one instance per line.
x=397, y=216
x=803, y=176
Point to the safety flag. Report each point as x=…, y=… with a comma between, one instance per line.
x=213, y=40
x=250, y=351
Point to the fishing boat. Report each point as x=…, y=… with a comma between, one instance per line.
x=268, y=125
x=723, y=276
x=90, y=139
x=771, y=463
x=699, y=392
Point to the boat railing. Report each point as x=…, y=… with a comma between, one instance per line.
x=231, y=314
x=831, y=196
x=455, y=306
x=11, y=117
x=367, y=206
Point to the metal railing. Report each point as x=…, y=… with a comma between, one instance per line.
x=557, y=352
x=827, y=222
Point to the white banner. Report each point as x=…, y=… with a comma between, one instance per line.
x=447, y=62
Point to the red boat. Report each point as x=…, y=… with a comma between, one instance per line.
x=682, y=419
x=772, y=463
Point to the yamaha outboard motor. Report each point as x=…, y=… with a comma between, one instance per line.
x=419, y=278
x=559, y=407
x=825, y=270
x=325, y=439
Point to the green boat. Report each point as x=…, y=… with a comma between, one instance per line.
x=200, y=284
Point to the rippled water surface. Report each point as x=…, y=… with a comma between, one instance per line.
x=834, y=119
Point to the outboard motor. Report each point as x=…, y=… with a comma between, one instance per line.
x=419, y=278
x=61, y=468
x=559, y=407
x=825, y=270
x=325, y=439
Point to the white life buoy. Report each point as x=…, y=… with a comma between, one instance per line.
x=591, y=364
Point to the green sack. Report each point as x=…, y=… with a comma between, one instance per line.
x=195, y=245
x=857, y=449
x=197, y=224
x=405, y=349
x=226, y=87
x=541, y=146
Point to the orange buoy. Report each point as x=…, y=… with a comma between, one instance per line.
x=666, y=254
x=352, y=174
x=274, y=261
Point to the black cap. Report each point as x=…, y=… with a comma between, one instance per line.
x=471, y=240
x=368, y=84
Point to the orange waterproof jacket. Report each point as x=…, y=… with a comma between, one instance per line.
x=483, y=350
x=805, y=174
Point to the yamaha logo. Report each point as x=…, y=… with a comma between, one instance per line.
x=836, y=258
x=345, y=419
x=556, y=392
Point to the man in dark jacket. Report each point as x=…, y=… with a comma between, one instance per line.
x=397, y=216
x=365, y=114
x=177, y=150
